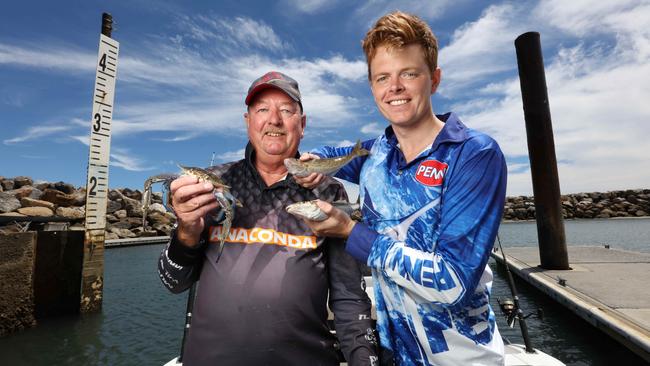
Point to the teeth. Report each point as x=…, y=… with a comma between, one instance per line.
x=274, y=134
x=398, y=102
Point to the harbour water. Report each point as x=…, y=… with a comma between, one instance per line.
x=142, y=324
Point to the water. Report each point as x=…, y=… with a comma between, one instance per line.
x=142, y=324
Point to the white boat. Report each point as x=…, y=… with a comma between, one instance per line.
x=515, y=354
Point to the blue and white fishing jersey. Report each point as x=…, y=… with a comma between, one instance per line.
x=428, y=228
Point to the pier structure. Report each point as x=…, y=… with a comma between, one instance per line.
x=606, y=287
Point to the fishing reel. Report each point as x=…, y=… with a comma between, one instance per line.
x=510, y=310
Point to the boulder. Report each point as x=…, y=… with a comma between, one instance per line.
x=30, y=202
x=7, y=184
x=8, y=202
x=66, y=188
x=22, y=181
x=57, y=197
x=74, y=213
x=36, y=211
x=122, y=233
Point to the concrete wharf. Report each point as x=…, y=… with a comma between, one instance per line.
x=608, y=288
x=114, y=243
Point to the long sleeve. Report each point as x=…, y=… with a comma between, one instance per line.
x=350, y=305
x=180, y=266
x=471, y=209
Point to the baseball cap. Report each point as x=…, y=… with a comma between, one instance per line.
x=277, y=80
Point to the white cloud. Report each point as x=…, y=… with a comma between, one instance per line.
x=372, y=10
x=373, y=129
x=594, y=88
x=343, y=143
x=61, y=58
x=231, y=155
x=34, y=133
x=122, y=158
x=239, y=33
x=309, y=6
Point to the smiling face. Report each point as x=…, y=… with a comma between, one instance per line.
x=402, y=85
x=275, y=125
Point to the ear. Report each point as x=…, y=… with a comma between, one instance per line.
x=246, y=118
x=435, y=79
x=303, y=123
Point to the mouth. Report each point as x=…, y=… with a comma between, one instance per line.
x=398, y=102
x=274, y=133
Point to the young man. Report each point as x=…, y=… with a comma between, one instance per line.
x=263, y=301
x=432, y=193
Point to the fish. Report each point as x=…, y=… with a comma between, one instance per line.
x=221, y=192
x=327, y=166
x=309, y=210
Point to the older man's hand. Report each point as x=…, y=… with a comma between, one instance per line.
x=191, y=200
x=313, y=179
x=338, y=224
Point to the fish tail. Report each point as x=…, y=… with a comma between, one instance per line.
x=358, y=150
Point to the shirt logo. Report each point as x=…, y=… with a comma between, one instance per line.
x=264, y=236
x=431, y=173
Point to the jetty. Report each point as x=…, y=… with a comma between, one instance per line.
x=606, y=287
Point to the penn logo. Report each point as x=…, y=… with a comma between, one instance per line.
x=431, y=173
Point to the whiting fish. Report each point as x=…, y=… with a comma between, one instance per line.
x=309, y=210
x=324, y=166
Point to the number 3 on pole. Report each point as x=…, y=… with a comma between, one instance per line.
x=100, y=134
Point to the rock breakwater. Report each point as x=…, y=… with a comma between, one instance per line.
x=21, y=196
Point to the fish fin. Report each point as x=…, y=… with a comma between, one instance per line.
x=358, y=150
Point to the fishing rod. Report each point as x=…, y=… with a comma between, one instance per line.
x=511, y=309
x=188, y=319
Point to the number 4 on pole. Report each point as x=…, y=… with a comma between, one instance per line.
x=98, y=161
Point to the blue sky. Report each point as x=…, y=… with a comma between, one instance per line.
x=184, y=68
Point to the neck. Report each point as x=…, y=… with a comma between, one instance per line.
x=414, y=139
x=270, y=168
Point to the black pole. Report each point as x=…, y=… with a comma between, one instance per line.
x=188, y=319
x=107, y=24
x=515, y=298
x=541, y=151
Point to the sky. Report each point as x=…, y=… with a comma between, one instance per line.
x=184, y=68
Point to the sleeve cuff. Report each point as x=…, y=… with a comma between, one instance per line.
x=360, y=242
x=184, y=255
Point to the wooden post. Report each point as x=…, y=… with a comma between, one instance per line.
x=541, y=151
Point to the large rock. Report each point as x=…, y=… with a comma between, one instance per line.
x=74, y=213
x=8, y=202
x=113, y=206
x=122, y=233
x=57, y=197
x=26, y=191
x=36, y=211
x=7, y=184
x=66, y=188
x=30, y=202
x=22, y=181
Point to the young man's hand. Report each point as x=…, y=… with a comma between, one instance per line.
x=313, y=179
x=337, y=225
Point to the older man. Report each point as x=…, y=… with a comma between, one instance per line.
x=263, y=301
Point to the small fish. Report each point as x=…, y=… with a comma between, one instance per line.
x=323, y=166
x=309, y=210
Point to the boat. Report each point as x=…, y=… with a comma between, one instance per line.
x=515, y=354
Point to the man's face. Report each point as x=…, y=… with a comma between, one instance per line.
x=402, y=84
x=275, y=124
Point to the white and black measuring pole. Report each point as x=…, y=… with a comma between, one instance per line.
x=98, y=161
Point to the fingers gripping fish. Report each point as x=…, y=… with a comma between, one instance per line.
x=323, y=166
x=309, y=210
x=221, y=192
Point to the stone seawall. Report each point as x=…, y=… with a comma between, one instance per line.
x=20, y=196
x=628, y=203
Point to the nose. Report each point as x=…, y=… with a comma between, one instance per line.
x=396, y=85
x=275, y=118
